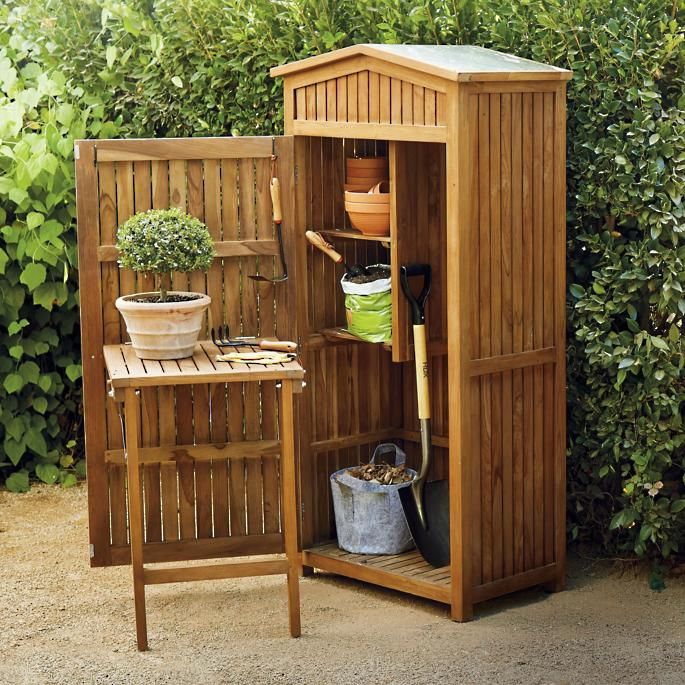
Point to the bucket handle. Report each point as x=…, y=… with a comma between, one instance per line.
x=386, y=448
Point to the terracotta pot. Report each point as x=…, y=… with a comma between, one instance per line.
x=371, y=224
x=366, y=163
x=358, y=187
x=373, y=172
x=369, y=198
x=163, y=330
x=368, y=207
x=370, y=181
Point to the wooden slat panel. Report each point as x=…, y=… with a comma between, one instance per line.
x=341, y=98
x=300, y=103
x=440, y=109
x=363, y=97
x=430, y=104
x=352, y=98
x=331, y=100
x=418, y=105
x=321, y=101
x=384, y=86
x=395, y=101
x=407, y=104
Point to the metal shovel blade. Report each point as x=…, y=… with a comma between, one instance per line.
x=433, y=540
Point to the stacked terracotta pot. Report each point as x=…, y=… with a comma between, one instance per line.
x=367, y=195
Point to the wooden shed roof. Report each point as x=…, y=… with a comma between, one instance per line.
x=451, y=62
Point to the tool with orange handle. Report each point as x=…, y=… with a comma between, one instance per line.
x=318, y=241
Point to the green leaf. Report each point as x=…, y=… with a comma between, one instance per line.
x=74, y=372
x=33, y=275
x=13, y=383
x=34, y=219
x=678, y=506
x=577, y=291
x=16, y=351
x=17, y=326
x=110, y=55
x=80, y=468
x=18, y=482
x=14, y=449
x=620, y=159
x=45, y=295
x=68, y=480
x=30, y=372
x=659, y=343
x=654, y=138
x=40, y=404
x=36, y=442
x=15, y=428
x=176, y=80
x=659, y=374
x=626, y=362
x=48, y=473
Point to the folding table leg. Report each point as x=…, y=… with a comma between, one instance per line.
x=290, y=508
x=135, y=512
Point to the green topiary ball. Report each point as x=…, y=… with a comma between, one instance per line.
x=164, y=241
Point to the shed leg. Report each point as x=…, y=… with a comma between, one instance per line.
x=290, y=508
x=461, y=611
x=135, y=512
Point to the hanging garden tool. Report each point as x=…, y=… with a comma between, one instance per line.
x=222, y=339
x=263, y=357
x=275, y=189
x=426, y=505
x=317, y=240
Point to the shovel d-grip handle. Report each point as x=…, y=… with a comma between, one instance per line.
x=416, y=304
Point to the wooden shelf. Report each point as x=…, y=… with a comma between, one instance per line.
x=408, y=572
x=355, y=235
x=340, y=335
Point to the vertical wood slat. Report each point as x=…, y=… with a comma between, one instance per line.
x=395, y=101
x=301, y=104
x=429, y=107
x=374, y=97
x=321, y=101
x=111, y=333
x=384, y=87
x=527, y=296
x=496, y=331
x=507, y=334
x=418, y=105
x=485, y=337
x=407, y=103
x=148, y=397
x=217, y=391
x=517, y=324
x=166, y=395
x=267, y=327
x=331, y=100
x=538, y=314
x=363, y=97
x=548, y=320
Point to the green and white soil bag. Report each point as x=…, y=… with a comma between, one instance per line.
x=368, y=307
x=369, y=518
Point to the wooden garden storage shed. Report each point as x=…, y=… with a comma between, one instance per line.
x=476, y=147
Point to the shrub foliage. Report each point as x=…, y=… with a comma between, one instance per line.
x=200, y=67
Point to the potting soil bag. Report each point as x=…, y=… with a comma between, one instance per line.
x=368, y=307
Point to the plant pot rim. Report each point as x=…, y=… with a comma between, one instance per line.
x=126, y=301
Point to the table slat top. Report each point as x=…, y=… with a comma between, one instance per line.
x=125, y=370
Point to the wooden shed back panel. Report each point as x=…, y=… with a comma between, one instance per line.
x=518, y=270
x=203, y=494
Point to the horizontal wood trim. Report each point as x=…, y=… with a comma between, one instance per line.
x=377, y=576
x=510, y=86
x=538, y=76
x=224, y=248
x=209, y=548
x=507, y=362
x=415, y=436
x=504, y=586
x=142, y=149
x=337, y=129
x=183, y=453
x=183, y=574
x=353, y=440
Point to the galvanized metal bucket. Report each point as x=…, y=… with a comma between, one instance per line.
x=369, y=516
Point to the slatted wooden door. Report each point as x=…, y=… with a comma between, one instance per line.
x=199, y=500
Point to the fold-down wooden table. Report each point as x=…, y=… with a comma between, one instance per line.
x=127, y=374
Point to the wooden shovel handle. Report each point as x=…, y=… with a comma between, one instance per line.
x=317, y=240
x=278, y=345
x=275, y=188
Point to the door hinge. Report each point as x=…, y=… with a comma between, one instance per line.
x=297, y=173
x=92, y=550
x=77, y=152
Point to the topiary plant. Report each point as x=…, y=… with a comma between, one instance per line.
x=163, y=241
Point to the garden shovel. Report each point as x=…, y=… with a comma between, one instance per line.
x=425, y=504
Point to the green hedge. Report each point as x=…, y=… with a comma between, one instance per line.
x=200, y=67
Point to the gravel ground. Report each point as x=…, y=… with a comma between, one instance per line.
x=63, y=622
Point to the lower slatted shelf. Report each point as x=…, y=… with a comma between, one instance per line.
x=408, y=572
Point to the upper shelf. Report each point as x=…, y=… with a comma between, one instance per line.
x=355, y=235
